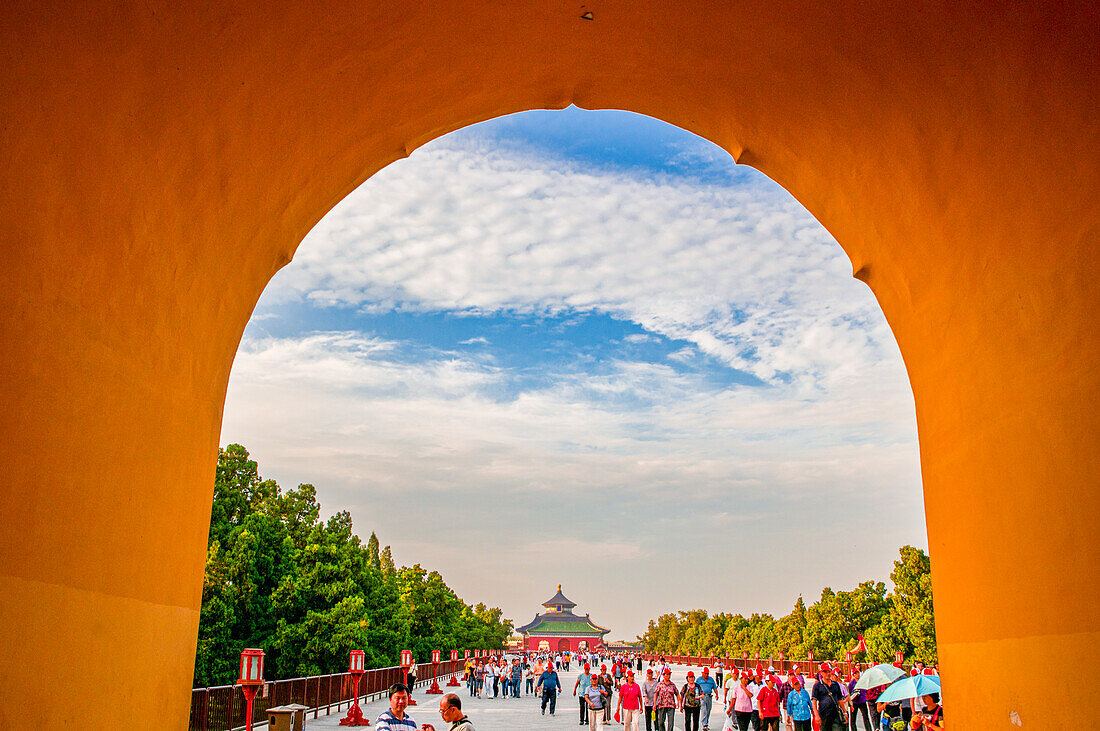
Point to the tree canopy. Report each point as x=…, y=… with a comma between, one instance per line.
x=308, y=591
x=901, y=620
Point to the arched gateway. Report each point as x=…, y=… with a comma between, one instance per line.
x=162, y=160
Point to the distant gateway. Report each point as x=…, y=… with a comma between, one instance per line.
x=560, y=630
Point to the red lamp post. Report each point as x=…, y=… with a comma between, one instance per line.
x=406, y=663
x=453, y=682
x=899, y=656
x=435, y=690
x=849, y=659
x=251, y=680
x=811, y=659
x=356, y=662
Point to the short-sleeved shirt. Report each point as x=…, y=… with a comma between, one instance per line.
x=742, y=699
x=706, y=685
x=630, y=695
x=649, y=688
x=664, y=695
x=690, y=695
x=731, y=683
x=828, y=699
x=768, y=699
x=798, y=704
x=389, y=722
x=755, y=688
x=584, y=682
x=595, y=696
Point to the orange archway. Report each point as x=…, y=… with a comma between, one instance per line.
x=162, y=160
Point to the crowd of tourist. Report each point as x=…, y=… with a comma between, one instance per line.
x=614, y=689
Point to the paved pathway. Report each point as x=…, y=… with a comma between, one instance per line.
x=510, y=714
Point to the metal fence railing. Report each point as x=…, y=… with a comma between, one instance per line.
x=222, y=708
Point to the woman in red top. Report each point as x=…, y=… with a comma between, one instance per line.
x=768, y=698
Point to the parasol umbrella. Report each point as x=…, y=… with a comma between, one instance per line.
x=911, y=687
x=883, y=674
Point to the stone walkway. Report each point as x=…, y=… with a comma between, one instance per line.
x=510, y=714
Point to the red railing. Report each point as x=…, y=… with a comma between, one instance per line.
x=222, y=708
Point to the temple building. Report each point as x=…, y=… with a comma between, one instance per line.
x=558, y=629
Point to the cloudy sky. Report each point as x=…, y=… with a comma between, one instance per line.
x=586, y=348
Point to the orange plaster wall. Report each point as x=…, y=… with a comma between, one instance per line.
x=160, y=161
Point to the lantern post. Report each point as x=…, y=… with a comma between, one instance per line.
x=811, y=659
x=899, y=657
x=251, y=680
x=406, y=663
x=849, y=658
x=356, y=667
x=435, y=689
x=453, y=682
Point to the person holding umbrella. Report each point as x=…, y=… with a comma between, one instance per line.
x=858, y=699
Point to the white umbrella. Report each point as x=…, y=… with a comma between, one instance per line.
x=883, y=674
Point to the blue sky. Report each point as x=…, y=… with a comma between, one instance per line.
x=595, y=334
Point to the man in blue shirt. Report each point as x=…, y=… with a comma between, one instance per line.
x=395, y=719
x=707, y=693
x=551, y=686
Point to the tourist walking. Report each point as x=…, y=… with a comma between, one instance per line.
x=517, y=676
x=595, y=697
x=649, y=688
x=665, y=700
x=740, y=704
x=394, y=718
x=608, y=684
x=529, y=674
x=690, y=703
x=630, y=702
x=828, y=701
x=799, y=710
x=551, y=686
x=584, y=682
x=858, y=699
x=708, y=691
x=768, y=700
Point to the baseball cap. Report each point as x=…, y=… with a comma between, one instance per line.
x=826, y=667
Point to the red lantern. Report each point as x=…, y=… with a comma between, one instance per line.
x=466, y=654
x=899, y=656
x=406, y=663
x=356, y=667
x=252, y=667
x=435, y=690
x=453, y=682
x=251, y=679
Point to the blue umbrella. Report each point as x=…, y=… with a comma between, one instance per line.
x=911, y=687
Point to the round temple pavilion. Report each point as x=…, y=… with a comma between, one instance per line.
x=559, y=629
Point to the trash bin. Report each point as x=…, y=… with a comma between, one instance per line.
x=286, y=718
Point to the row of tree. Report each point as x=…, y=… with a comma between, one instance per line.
x=308, y=591
x=902, y=620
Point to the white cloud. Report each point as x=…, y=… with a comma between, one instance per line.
x=563, y=470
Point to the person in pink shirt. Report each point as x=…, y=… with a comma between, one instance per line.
x=630, y=703
x=740, y=706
